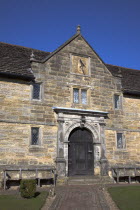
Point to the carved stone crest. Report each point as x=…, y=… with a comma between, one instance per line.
x=80, y=65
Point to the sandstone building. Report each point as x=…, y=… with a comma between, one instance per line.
x=67, y=109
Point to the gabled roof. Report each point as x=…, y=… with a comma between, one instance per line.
x=130, y=78
x=65, y=44
x=59, y=48
x=15, y=61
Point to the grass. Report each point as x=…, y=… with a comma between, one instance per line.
x=126, y=197
x=16, y=202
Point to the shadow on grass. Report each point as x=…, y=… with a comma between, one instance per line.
x=36, y=194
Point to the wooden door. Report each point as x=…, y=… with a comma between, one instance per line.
x=80, y=152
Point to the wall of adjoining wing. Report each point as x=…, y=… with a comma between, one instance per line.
x=130, y=127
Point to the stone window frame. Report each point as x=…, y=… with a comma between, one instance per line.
x=41, y=92
x=120, y=105
x=40, y=139
x=80, y=101
x=123, y=140
x=89, y=65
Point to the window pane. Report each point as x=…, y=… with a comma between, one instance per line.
x=76, y=95
x=35, y=136
x=84, y=96
x=36, y=91
x=116, y=101
x=119, y=140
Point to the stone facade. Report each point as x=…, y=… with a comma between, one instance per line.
x=74, y=65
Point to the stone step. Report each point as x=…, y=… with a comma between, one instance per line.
x=87, y=183
x=89, y=180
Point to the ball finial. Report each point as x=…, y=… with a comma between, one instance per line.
x=78, y=29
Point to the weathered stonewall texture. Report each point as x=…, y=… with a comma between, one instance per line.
x=58, y=76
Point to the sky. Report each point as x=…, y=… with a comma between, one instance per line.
x=111, y=27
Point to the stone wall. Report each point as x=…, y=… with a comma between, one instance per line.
x=19, y=113
x=130, y=127
x=15, y=147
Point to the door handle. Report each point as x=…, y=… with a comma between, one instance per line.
x=90, y=151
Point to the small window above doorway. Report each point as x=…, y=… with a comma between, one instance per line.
x=79, y=96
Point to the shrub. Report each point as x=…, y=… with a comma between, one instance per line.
x=28, y=188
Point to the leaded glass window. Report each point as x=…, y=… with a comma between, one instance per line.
x=79, y=96
x=36, y=91
x=120, y=143
x=76, y=95
x=84, y=96
x=116, y=101
x=34, y=136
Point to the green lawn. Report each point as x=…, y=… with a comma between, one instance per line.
x=126, y=197
x=15, y=202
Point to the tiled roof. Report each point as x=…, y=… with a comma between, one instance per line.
x=130, y=78
x=15, y=60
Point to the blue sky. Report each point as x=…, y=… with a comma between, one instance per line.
x=111, y=27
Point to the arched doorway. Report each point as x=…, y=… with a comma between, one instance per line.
x=80, y=152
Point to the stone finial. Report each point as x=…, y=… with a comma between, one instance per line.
x=32, y=56
x=78, y=29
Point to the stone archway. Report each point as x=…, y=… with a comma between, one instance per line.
x=93, y=129
x=80, y=152
x=68, y=119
